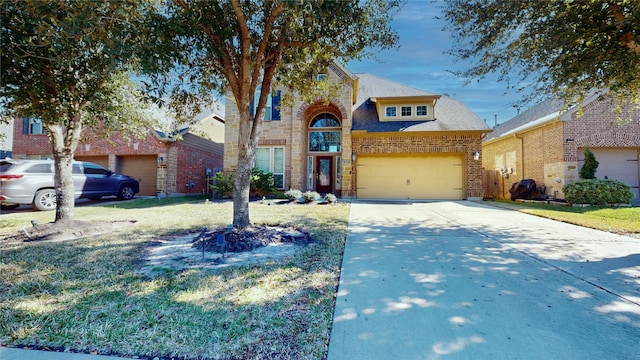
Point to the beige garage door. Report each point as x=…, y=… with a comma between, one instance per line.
x=142, y=168
x=411, y=177
x=618, y=164
x=100, y=160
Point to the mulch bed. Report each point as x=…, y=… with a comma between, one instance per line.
x=224, y=240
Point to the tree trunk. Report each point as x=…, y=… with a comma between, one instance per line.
x=64, y=187
x=64, y=141
x=241, y=188
x=249, y=133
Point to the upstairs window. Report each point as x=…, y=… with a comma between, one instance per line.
x=405, y=111
x=422, y=110
x=272, y=106
x=32, y=125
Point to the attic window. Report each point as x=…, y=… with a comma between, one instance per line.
x=391, y=111
x=405, y=108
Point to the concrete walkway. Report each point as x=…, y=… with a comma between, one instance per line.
x=21, y=354
x=461, y=280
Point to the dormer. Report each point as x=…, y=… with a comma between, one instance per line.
x=406, y=108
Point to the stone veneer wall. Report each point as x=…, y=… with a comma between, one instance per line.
x=291, y=132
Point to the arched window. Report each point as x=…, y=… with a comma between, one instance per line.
x=325, y=133
x=324, y=121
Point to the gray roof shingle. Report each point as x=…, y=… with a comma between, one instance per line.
x=450, y=114
x=538, y=111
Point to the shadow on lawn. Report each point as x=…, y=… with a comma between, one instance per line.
x=88, y=297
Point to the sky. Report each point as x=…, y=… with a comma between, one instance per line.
x=420, y=62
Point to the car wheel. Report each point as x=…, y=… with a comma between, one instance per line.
x=126, y=192
x=45, y=200
x=9, y=206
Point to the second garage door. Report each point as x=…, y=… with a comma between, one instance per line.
x=143, y=168
x=420, y=176
x=619, y=164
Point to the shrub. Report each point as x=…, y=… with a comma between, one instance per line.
x=262, y=183
x=597, y=192
x=330, y=198
x=293, y=194
x=310, y=196
x=222, y=185
x=590, y=166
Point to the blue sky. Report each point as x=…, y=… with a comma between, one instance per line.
x=420, y=62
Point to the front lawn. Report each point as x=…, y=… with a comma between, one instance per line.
x=622, y=220
x=87, y=294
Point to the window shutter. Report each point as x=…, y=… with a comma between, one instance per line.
x=25, y=125
x=252, y=105
x=275, y=106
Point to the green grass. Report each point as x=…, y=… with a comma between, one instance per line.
x=624, y=220
x=88, y=295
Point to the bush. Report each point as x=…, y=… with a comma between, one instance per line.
x=262, y=183
x=293, y=194
x=330, y=198
x=590, y=166
x=222, y=185
x=597, y=192
x=310, y=196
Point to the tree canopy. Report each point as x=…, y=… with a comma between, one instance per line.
x=67, y=63
x=550, y=47
x=238, y=46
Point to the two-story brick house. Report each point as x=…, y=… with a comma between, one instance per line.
x=547, y=144
x=376, y=139
x=164, y=164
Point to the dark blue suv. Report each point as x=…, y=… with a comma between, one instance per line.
x=31, y=182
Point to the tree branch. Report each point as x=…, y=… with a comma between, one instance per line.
x=627, y=36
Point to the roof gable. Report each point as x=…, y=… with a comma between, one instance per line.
x=548, y=110
x=450, y=114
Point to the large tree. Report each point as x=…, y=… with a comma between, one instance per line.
x=240, y=45
x=560, y=47
x=67, y=63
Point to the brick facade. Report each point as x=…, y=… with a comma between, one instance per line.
x=549, y=153
x=291, y=132
x=428, y=143
x=177, y=163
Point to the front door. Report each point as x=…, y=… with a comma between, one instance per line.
x=324, y=174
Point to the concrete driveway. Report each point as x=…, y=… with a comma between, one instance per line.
x=462, y=280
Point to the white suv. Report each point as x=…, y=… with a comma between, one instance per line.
x=31, y=182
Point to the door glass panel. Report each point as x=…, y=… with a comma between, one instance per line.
x=338, y=172
x=309, y=173
x=324, y=172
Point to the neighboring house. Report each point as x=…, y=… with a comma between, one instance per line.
x=376, y=139
x=164, y=164
x=6, y=139
x=547, y=144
